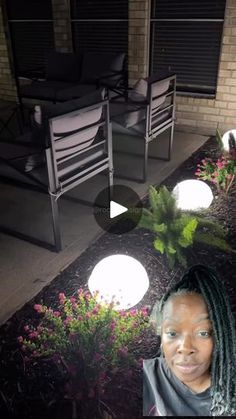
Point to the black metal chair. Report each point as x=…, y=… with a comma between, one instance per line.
x=149, y=110
x=77, y=146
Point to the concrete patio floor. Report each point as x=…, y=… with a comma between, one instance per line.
x=26, y=268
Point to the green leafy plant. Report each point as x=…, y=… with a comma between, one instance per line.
x=89, y=342
x=176, y=230
x=221, y=172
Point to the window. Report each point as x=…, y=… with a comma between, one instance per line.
x=100, y=25
x=32, y=36
x=186, y=38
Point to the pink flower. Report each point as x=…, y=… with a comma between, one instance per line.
x=26, y=328
x=88, y=315
x=73, y=300
x=39, y=329
x=80, y=318
x=87, y=296
x=57, y=313
x=20, y=339
x=113, y=325
x=33, y=335
x=95, y=310
x=67, y=320
x=133, y=312
x=80, y=291
x=38, y=308
x=62, y=297
x=144, y=311
x=220, y=165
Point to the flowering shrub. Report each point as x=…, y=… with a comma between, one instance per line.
x=88, y=341
x=221, y=172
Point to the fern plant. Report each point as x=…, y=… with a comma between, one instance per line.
x=176, y=230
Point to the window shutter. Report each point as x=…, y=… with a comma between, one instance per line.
x=32, y=34
x=100, y=25
x=186, y=38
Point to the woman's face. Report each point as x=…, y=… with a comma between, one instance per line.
x=187, y=340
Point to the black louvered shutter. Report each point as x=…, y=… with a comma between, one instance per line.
x=186, y=38
x=100, y=25
x=32, y=35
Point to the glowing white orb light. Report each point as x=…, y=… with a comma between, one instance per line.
x=193, y=195
x=120, y=278
x=226, y=138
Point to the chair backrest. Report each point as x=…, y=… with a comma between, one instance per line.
x=96, y=65
x=161, y=99
x=63, y=66
x=78, y=145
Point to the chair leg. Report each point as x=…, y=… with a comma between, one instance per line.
x=171, y=135
x=145, y=160
x=56, y=225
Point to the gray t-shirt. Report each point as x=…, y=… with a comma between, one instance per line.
x=165, y=395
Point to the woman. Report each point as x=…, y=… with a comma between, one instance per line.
x=195, y=372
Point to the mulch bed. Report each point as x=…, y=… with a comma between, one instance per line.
x=27, y=395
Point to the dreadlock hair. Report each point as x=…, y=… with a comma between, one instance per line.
x=204, y=281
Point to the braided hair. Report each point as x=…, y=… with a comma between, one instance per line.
x=204, y=281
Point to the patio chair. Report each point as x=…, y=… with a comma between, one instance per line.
x=149, y=110
x=77, y=144
x=73, y=75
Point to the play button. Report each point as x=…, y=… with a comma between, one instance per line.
x=119, y=210
x=116, y=209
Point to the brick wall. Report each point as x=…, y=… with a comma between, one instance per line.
x=193, y=114
x=139, y=30
x=7, y=82
x=62, y=26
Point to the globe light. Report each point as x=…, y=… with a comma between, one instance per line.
x=120, y=278
x=226, y=139
x=193, y=195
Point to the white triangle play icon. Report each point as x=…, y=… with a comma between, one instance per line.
x=116, y=209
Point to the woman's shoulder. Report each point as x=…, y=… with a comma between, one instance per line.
x=153, y=365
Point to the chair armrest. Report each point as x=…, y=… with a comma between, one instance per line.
x=138, y=103
x=110, y=74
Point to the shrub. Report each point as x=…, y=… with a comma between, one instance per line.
x=88, y=341
x=176, y=230
x=221, y=172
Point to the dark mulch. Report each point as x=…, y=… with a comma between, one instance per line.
x=28, y=395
